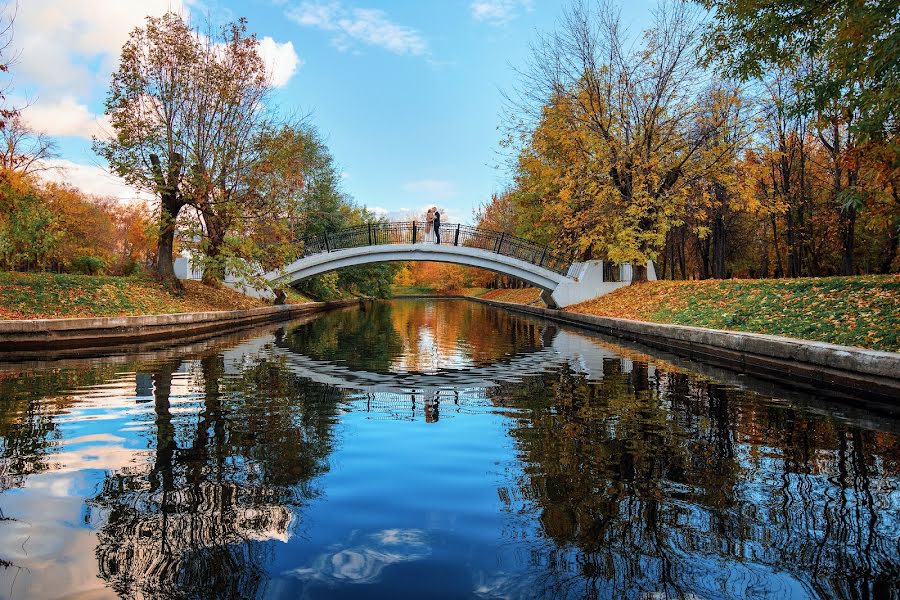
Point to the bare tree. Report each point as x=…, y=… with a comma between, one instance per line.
x=23, y=149
x=7, y=18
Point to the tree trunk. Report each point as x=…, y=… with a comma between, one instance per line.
x=703, y=251
x=165, y=245
x=718, y=244
x=170, y=205
x=893, y=239
x=779, y=267
x=792, y=258
x=638, y=273
x=214, y=265
x=848, y=241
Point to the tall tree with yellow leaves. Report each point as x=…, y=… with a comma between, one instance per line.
x=620, y=129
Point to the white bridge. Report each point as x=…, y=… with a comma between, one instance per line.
x=563, y=282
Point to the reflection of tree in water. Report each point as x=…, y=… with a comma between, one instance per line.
x=195, y=522
x=415, y=336
x=357, y=336
x=30, y=402
x=671, y=485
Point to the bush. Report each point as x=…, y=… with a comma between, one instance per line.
x=130, y=267
x=88, y=265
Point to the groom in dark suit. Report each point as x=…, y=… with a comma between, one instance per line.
x=437, y=227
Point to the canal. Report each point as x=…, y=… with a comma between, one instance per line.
x=436, y=449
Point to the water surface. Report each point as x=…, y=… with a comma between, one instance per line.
x=440, y=449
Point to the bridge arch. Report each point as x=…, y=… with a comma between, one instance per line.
x=461, y=255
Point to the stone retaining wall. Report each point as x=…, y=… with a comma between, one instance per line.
x=871, y=373
x=53, y=334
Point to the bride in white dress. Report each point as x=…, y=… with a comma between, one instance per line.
x=429, y=226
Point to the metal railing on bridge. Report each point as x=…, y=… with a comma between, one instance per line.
x=414, y=232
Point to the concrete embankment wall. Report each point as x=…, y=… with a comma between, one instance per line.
x=54, y=334
x=848, y=369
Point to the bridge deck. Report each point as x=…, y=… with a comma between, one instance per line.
x=413, y=232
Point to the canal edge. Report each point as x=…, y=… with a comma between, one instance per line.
x=97, y=332
x=874, y=373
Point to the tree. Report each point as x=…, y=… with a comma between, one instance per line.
x=149, y=105
x=302, y=183
x=856, y=43
x=620, y=129
x=22, y=149
x=187, y=109
x=230, y=113
x=29, y=230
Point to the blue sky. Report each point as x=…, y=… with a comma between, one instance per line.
x=408, y=94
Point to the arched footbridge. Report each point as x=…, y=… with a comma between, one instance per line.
x=563, y=282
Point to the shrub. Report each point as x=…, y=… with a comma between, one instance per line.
x=88, y=265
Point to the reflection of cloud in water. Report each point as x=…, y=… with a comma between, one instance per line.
x=503, y=585
x=363, y=561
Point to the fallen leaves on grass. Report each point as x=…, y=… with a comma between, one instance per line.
x=47, y=295
x=518, y=296
x=853, y=311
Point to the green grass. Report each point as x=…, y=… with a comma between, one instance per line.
x=853, y=311
x=413, y=290
x=50, y=295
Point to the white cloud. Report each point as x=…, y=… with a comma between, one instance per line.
x=92, y=179
x=433, y=188
x=64, y=117
x=498, y=12
x=59, y=43
x=281, y=60
x=366, y=25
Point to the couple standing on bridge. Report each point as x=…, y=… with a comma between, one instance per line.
x=433, y=225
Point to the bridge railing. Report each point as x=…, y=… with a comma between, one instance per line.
x=452, y=234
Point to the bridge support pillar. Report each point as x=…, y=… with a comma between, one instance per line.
x=588, y=283
x=547, y=297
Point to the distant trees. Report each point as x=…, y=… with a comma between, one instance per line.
x=57, y=227
x=839, y=84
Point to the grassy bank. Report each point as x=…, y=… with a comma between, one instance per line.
x=47, y=295
x=854, y=311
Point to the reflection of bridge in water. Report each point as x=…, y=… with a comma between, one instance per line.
x=582, y=353
x=412, y=394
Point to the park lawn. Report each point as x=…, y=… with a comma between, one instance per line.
x=414, y=290
x=49, y=295
x=853, y=311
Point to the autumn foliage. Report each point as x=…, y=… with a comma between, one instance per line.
x=56, y=227
x=631, y=149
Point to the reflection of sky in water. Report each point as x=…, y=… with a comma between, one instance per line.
x=363, y=560
x=595, y=472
